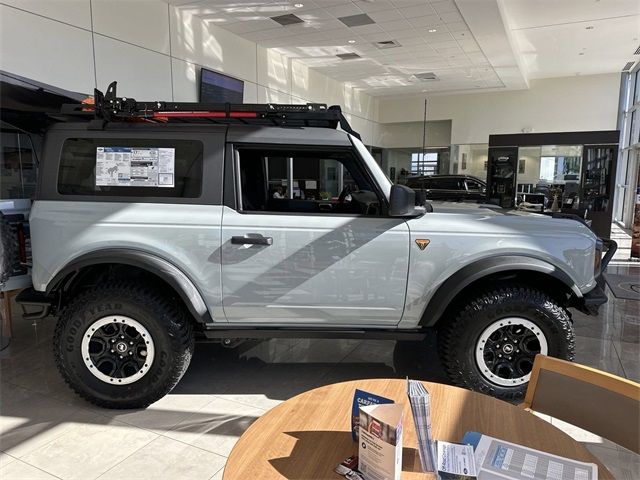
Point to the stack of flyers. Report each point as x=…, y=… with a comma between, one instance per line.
x=420, y=407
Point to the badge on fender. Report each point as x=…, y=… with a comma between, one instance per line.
x=422, y=243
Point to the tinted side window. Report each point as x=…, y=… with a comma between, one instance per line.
x=322, y=182
x=472, y=185
x=419, y=183
x=17, y=165
x=131, y=167
x=447, y=184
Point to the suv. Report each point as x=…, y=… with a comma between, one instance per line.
x=149, y=235
x=454, y=188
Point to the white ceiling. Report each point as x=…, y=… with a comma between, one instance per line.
x=574, y=37
x=476, y=45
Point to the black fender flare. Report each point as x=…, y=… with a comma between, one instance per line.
x=152, y=263
x=453, y=285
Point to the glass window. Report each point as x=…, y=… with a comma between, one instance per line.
x=18, y=167
x=447, y=184
x=131, y=167
x=474, y=186
x=424, y=163
x=322, y=182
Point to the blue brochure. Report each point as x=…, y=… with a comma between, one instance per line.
x=471, y=438
x=362, y=399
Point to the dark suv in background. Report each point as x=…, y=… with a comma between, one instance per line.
x=454, y=188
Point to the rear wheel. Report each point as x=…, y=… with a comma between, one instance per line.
x=491, y=342
x=123, y=346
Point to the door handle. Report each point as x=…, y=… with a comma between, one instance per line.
x=251, y=239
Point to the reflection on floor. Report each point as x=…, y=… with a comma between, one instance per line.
x=47, y=432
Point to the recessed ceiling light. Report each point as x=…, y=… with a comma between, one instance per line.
x=590, y=27
x=432, y=30
x=298, y=5
x=423, y=91
x=351, y=41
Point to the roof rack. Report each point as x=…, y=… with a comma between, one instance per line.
x=109, y=107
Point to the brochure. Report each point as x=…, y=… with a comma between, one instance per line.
x=498, y=460
x=362, y=399
x=421, y=410
x=455, y=461
x=380, y=447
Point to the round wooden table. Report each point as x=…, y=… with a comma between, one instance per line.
x=308, y=435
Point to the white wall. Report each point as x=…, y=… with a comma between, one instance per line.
x=405, y=135
x=154, y=51
x=550, y=105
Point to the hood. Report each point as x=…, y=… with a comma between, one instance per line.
x=479, y=209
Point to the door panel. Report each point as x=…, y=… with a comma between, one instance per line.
x=330, y=269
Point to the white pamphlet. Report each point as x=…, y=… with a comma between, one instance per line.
x=455, y=461
x=499, y=460
x=380, y=437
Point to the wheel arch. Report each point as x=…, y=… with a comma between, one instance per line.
x=166, y=271
x=528, y=270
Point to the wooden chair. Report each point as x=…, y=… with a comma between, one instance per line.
x=596, y=401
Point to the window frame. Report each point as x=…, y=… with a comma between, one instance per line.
x=212, y=164
x=232, y=177
x=471, y=180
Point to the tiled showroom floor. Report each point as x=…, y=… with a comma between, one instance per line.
x=47, y=432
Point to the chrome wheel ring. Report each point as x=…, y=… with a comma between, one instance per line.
x=506, y=349
x=117, y=350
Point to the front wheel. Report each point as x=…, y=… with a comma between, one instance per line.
x=490, y=343
x=123, y=345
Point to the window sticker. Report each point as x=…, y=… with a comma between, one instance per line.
x=135, y=167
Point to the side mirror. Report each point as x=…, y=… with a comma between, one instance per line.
x=402, y=202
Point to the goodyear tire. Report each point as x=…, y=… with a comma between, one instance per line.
x=490, y=343
x=122, y=345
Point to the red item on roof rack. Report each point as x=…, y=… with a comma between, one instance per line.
x=109, y=108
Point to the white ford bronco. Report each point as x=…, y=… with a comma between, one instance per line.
x=157, y=224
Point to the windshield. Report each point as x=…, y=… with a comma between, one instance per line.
x=376, y=171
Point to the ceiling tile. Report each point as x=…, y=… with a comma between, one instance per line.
x=396, y=25
x=377, y=5
x=368, y=29
x=421, y=10
x=344, y=10
x=386, y=15
x=457, y=27
x=444, y=6
x=451, y=17
x=428, y=21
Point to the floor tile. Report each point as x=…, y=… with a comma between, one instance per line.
x=5, y=459
x=599, y=354
x=630, y=357
x=218, y=475
x=216, y=427
x=167, y=458
x=29, y=420
x=623, y=464
x=89, y=449
x=163, y=415
x=19, y=470
x=577, y=433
